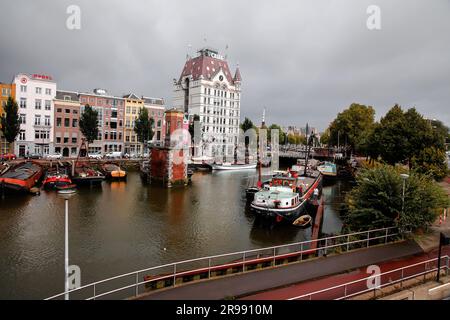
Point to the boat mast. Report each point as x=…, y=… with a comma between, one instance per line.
x=263, y=123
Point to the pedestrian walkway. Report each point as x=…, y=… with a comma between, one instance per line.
x=257, y=281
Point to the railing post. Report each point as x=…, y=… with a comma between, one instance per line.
x=243, y=262
x=325, y=247
x=348, y=242
x=386, y=236
x=137, y=286
x=401, y=282
x=301, y=252
x=345, y=291
x=274, y=257
x=368, y=237
x=209, y=268
x=174, y=274
x=94, y=292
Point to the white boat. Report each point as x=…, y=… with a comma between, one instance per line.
x=233, y=166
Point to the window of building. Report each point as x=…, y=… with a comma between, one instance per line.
x=75, y=111
x=23, y=88
x=38, y=90
x=48, y=104
x=58, y=139
x=113, y=125
x=22, y=135
x=73, y=150
x=58, y=122
x=66, y=122
x=67, y=98
x=38, y=104
x=37, y=120
x=47, y=120
x=67, y=110
x=48, y=91
x=66, y=139
x=22, y=118
x=74, y=140
x=6, y=92
x=106, y=135
x=74, y=123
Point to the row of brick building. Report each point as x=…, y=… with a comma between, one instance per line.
x=50, y=118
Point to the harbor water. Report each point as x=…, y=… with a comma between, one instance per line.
x=120, y=227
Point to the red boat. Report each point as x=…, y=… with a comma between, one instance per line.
x=22, y=177
x=53, y=180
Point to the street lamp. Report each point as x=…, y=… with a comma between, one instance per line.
x=66, y=245
x=404, y=176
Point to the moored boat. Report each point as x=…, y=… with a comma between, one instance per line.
x=113, y=171
x=233, y=166
x=287, y=195
x=87, y=175
x=22, y=177
x=328, y=169
x=55, y=179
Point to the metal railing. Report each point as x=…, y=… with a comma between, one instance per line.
x=388, y=278
x=171, y=274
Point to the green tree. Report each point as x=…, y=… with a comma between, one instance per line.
x=281, y=133
x=325, y=137
x=377, y=200
x=89, y=124
x=430, y=160
x=245, y=126
x=143, y=127
x=349, y=125
x=9, y=122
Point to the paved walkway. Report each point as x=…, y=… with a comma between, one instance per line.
x=335, y=280
x=269, y=279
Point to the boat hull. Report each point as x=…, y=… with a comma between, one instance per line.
x=233, y=167
x=22, y=178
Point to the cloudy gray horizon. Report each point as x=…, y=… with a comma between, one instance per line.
x=304, y=61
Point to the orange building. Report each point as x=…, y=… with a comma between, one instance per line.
x=6, y=90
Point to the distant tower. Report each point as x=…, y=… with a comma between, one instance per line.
x=263, y=118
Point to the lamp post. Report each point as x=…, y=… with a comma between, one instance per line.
x=404, y=177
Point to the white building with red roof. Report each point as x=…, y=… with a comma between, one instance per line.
x=207, y=88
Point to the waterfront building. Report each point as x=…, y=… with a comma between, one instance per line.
x=67, y=138
x=156, y=109
x=6, y=90
x=132, y=106
x=110, y=120
x=207, y=88
x=34, y=95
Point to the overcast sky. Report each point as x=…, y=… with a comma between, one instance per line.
x=303, y=60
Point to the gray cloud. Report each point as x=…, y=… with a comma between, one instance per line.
x=303, y=60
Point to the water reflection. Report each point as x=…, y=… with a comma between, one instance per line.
x=123, y=226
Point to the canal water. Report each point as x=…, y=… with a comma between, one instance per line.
x=125, y=226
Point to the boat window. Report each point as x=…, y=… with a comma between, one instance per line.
x=292, y=202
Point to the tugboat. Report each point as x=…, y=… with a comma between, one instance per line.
x=54, y=179
x=113, y=171
x=22, y=177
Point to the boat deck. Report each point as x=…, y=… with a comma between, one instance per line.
x=22, y=171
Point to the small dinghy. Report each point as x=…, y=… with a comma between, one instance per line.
x=303, y=221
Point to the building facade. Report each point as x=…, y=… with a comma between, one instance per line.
x=110, y=120
x=6, y=90
x=208, y=89
x=35, y=96
x=156, y=110
x=67, y=133
x=132, y=106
